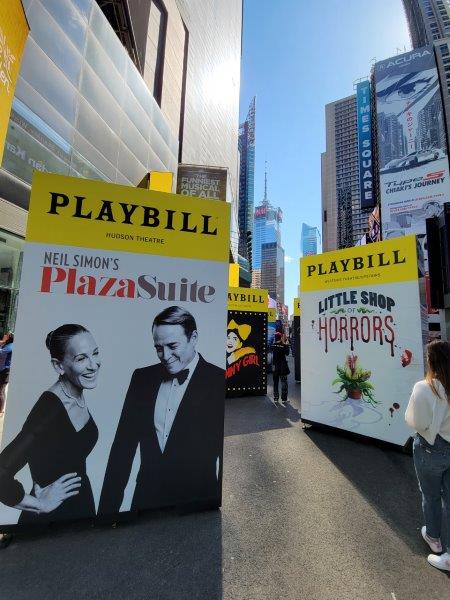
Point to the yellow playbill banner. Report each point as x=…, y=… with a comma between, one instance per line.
x=107, y=216
x=390, y=261
x=271, y=315
x=247, y=299
x=296, y=307
x=13, y=35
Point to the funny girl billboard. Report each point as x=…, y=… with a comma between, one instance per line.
x=117, y=386
x=246, y=342
x=362, y=330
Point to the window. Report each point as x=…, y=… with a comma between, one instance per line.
x=183, y=93
x=10, y=267
x=156, y=48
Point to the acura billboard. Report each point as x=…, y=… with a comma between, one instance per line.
x=414, y=172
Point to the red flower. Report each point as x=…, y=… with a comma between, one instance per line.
x=351, y=362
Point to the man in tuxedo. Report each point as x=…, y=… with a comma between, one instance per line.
x=174, y=412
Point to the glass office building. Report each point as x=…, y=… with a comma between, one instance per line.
x=266, y=229
x=308, y=240
x=81, y=106
x=105, y=98
x=246, y=176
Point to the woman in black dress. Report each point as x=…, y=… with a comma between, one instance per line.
x=57, y=436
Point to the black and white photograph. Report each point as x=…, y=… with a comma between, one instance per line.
x=122, y=409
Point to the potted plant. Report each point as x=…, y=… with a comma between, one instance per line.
x=354, y=381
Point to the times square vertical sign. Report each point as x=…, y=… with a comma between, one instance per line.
x=364, y=120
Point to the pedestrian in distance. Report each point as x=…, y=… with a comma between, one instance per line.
x=280, y=369
x=6, y=348
x=428, y=412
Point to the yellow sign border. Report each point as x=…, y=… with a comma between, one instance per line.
x=80, y=212
x=250, y=299
x=384, y=262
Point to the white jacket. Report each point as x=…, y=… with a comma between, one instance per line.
x=428, y=414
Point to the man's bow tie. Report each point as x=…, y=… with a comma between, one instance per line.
x=181, y=376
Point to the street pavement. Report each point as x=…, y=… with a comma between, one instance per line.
x=307, y=514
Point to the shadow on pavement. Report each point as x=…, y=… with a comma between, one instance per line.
x=385, y=477
x=161, y=554
x=254, y=414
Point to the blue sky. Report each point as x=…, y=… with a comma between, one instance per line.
x=298, y=55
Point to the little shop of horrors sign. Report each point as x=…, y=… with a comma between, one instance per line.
x=356, y=316
x=362, y=337
x=246, y=342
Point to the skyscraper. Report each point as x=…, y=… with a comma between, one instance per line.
x=429, y=23
x=268, y=255
x=308, y=240
x=246, y=176
x=266, y=226
x=272, y=270
x=340, y=178
x=110, y=91
x=428, y=20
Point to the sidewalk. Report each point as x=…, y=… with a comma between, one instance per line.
x=307, y=515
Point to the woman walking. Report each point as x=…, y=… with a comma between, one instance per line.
x=280, y=349
x=428, y=412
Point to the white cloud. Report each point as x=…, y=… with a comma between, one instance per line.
x=289, y=259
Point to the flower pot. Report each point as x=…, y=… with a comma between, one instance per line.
x=355, y=394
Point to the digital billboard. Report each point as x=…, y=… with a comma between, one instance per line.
x=364, y=121
x=413, y=161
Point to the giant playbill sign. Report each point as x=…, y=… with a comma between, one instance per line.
x=414, y=172
x=361, y=337
x=117, y=385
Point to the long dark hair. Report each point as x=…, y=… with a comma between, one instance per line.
x=438, y=367
x=58, y=339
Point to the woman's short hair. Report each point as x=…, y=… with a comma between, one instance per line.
x=175, y=315
x=58, y=339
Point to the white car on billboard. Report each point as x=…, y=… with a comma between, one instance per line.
x=414, y=159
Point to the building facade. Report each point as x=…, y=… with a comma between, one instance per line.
x=246, y=177
x=429, y=23
x=428, y=20
x=266, y=229
x=340, y=178
x=112, y=92
x=272, y=270
x=308, y=240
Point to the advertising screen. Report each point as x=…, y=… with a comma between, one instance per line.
x=202, y=181
x=246, y=342
x=362, y=334
x=117, y=386
x=413, y=161
x=364, y=121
